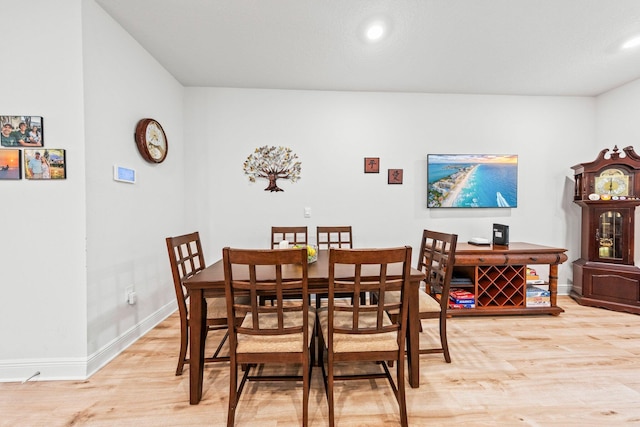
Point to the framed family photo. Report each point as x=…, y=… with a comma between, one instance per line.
x=41, y=163
x=21, y=131
x=10, y=165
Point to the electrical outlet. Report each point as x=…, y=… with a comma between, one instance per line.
x=128, y=292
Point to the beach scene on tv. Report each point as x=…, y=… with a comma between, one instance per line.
x=472, y=181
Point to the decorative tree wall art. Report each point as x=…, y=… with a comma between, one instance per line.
x=272, y=163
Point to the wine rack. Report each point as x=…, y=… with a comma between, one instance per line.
x=500, y=286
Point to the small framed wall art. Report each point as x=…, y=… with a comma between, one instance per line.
x=21, y=131
x=43, y=163
x=10, y=165
x=395, y=176
x=372, y=165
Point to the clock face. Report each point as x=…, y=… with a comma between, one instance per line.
x=612, y=182
x=151, y=141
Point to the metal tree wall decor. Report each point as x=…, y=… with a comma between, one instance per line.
x=272, y=163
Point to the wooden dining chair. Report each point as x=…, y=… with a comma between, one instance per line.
x=358, y=333
x=436, y=260
x=269, y=334
x=187, y=259
x=293, y=235
x=334, y=237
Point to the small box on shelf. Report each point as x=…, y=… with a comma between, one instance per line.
x=461, y=298
x=538, y=297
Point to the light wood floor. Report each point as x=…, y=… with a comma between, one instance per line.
x=579, y=368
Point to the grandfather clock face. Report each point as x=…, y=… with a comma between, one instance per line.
x=613, y=182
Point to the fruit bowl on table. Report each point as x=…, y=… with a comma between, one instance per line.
x=312, y=252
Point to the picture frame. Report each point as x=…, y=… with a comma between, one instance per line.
x=53, y=163
x=472, y=181
x=10, y=164
x=21, y=131
x=372, y=165
x=394, y=176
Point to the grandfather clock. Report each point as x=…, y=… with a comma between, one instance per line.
x=608, y=191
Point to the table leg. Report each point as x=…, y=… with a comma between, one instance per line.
x=413, y=337
x=553, y=283
x=196, y=347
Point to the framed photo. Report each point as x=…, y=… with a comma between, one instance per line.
x=472, y=180
x=21, y=131
x=45, y=163
x=10, y=164
x=394, y=176
x=372, y=165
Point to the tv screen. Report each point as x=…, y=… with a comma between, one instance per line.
x=472, y=181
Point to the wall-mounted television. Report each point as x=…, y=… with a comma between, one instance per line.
x=472, y=181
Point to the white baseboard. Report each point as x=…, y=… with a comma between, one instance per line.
x=564, y=288
x=80, y=368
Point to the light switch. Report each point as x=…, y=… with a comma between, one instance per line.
x=307, y=212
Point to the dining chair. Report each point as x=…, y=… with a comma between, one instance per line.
x=436, y=260
x=353, y=334
x=268, y=334
x=293, y=235
x=187, y=259
x=334, y=237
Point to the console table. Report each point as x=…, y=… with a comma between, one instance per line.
x=498, y=276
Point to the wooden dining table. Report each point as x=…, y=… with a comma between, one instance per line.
x=210, y=283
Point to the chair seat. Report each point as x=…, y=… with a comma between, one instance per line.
x=426, y=303
x=343, y=343
x=275, y=343
x=217, y=306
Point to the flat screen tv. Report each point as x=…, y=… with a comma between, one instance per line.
x=472, y=181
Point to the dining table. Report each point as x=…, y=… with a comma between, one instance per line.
x=210, y=283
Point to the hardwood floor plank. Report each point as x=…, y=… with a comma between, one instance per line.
x=579, y=368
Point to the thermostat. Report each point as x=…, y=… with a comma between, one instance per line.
x=123, y=174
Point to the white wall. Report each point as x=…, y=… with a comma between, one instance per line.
x=42, y=277
x=127, y=224
x=332, y=132
x=617, y=119
x=69, y=248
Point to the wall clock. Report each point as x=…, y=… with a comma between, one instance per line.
x=151, y=141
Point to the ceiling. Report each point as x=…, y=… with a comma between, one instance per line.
x=520, y=47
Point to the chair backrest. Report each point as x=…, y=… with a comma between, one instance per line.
x=293, y=235
x=186, y=259
x=334, y=237
x=271, y=272
x=437, y=258
x=376, y=271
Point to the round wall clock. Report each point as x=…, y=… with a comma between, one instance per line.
x=151, y=141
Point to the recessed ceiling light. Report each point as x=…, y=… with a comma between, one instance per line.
x=375, y=31
x=631, y=43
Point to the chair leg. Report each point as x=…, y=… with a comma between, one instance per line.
x=402, y=401
x=306, y=382
x=184, y=340
x=233, y=393
x=330, y=390
x=443, y=337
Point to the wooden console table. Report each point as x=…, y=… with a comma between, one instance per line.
x=498, y=275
